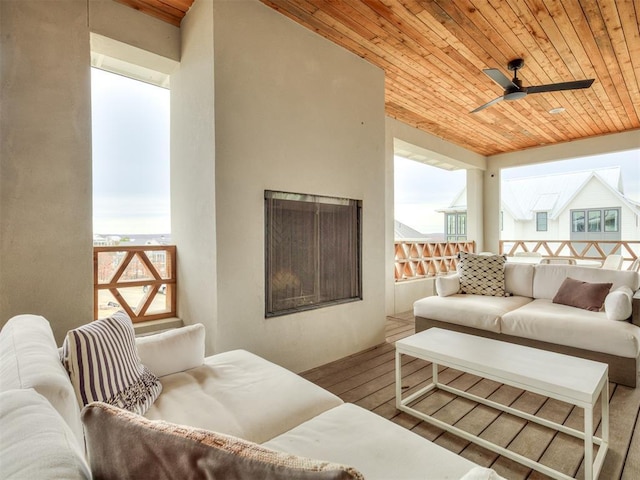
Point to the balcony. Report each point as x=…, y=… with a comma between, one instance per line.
x=415, y=259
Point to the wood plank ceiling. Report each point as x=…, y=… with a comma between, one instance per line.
x=433, y=53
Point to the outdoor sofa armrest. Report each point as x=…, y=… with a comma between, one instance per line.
x=635, y=308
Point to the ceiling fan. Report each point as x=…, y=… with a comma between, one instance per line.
x=513, y=89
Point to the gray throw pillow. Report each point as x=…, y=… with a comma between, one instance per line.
x=124, y=445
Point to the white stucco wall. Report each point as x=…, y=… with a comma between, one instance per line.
x=45, y=171
x=193, y=212
x=293, y=112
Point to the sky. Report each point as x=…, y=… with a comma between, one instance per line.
x=130, y=156
x=421, y=189
x=131, y=176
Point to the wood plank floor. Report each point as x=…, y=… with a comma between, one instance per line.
x=368, y=380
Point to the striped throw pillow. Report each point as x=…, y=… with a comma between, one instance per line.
x=104, y=366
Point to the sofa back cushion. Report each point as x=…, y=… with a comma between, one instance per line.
x=518, y=279
x=548, y=278
x=29, y=358
x=35, y=441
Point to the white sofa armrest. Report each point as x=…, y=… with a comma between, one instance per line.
x=447, y=285
x=172, y=351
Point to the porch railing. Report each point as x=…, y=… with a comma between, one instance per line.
x=419, y=259
x=140, y=280
x=576, y=249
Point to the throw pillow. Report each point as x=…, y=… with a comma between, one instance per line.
x=447, y=285
x=575, y=293
x=172, y=351
x=125, y=445
x=103, y=365
x=482, y=274
x=617, y=304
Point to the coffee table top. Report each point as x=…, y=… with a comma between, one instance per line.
x=547, y=373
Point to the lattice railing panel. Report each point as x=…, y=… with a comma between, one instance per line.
x=420, y=259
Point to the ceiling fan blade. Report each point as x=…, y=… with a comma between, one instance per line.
x=554, y=87
x=495, y=100
x=499, y=77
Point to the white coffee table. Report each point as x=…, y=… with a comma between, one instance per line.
x=569, y=379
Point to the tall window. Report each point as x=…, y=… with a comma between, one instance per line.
x=312, y=252
x=456, y=225
x=541, y=221
x=130, y=137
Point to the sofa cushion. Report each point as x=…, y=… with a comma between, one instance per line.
x=548, y=278
x=589, y=296
x=447, y=285
x=563, y=325
x=481, y=274
x=477, y=311
x=103, y=364
x=240, y=394
x=35, y=441
x=518, y=279
x=122, y=444
x=380, y=449
x=29, y=358
x=172, y=351
x=618, y=304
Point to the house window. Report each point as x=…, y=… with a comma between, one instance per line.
x=541, y=221
x=313, y=248
x=594, y=223
x=577, y=221
x=611, y=220
x=456, y=224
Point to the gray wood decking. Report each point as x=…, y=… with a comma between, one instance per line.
x=367, y=379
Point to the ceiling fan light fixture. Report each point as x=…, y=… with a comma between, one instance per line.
x=557, y=110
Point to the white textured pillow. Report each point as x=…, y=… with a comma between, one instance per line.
x=447, y=285
x=617, y=304
x=103, y=365
x=172, y=351
x=35, y=441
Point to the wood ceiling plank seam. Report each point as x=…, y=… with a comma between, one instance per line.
x=612, y=18
x=593, y=18
x=460, y=26
x=526, y=28
x=548, y=134
x=321, y=29
x=579, y=33
x=564, y=54
x=440, y=114
x=424, y=18
x=425, y=44
x=472, y=24
x=182, y=5
x=386, y=55
x=630, y=19
x=398, y=112
x=612, y=103
x=530, y=47
x=411, y=38
x=341, y=12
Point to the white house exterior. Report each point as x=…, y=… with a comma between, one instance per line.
x=585, y=205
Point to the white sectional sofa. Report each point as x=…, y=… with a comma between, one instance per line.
x=527, y=314
x=262, y=406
